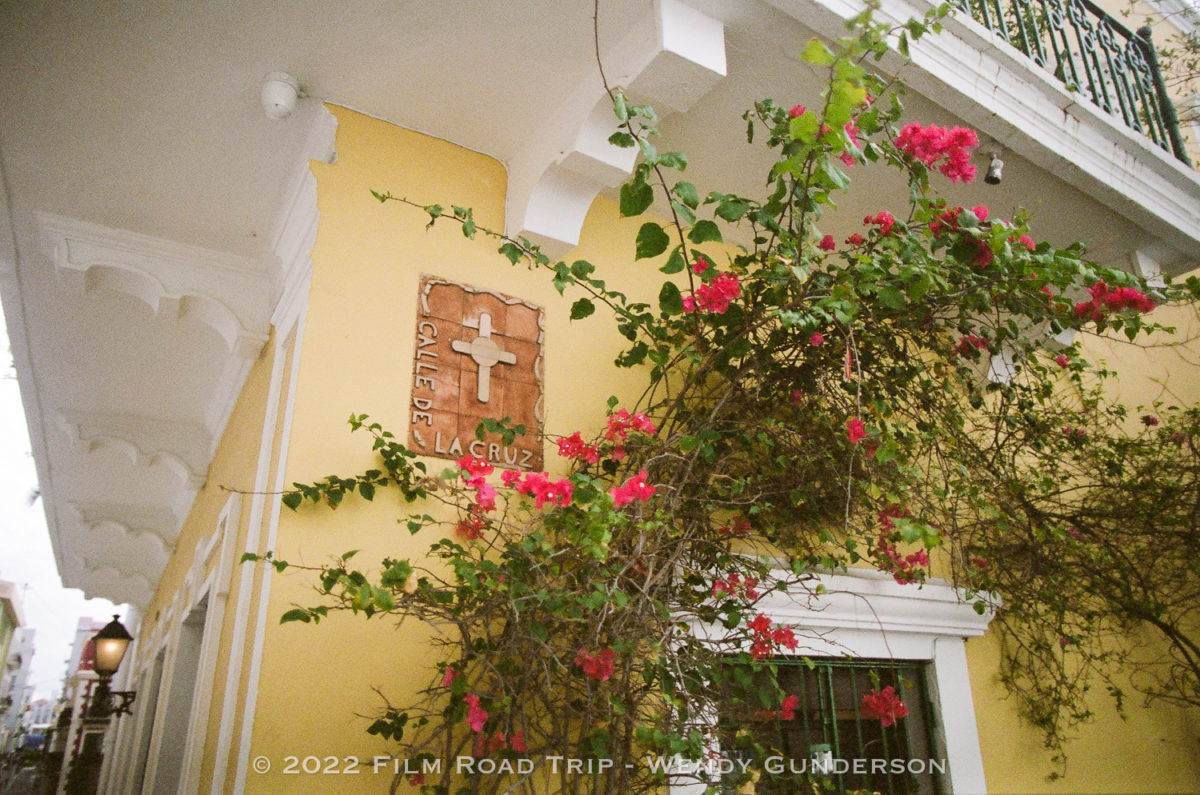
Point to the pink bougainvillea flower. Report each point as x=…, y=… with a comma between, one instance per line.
x=981, y=212
x=485, y=496
x=1027, y=242
x=740, y=528
x=969, y=345
x=573, y=446
x=621, y=422
x=852, y=134
x=1062, y=360
x=797, y=110
x=816, y=339
x=855, y=430
x=884, y=705
x=416, y=780
x=539, y=486
x=449, y=676
x=636, y=488
x=473, y=468
x=883, y=219
x=1149, y=420
x=947, y=149
x=700, y=265
x=855, y=239
x=787, y=710
x=767, y=638
x=735, y=586
x=827, y=243
x=905, y=569
x=983, y=254
x=716, y=296
x=1106, y=299
x=517, y=742
x=557, y=493
x=471, y=527
x=597, y=666
x=476, y=715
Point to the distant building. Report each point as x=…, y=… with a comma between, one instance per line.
x=75, y=738
x=15, y=692
x=10, y=615
x=36, y=722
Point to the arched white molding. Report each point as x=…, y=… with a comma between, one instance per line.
x=165, y=460
x=189, y=444
x=140, y=551
x=173, y=279
x=154, y=519
x=239, y=341
x=106, y=582
x=670, y=57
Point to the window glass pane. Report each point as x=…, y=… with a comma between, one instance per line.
x=829, y=744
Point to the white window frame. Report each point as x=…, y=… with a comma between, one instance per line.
x=865, y=613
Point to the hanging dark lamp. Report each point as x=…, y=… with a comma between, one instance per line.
x=110, y=645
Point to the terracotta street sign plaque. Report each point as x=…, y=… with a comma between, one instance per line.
x=478, y=356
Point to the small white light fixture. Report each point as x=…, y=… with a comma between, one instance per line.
x=995, y=170
x=279, y=94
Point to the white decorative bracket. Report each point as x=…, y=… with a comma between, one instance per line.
x=670, y=57
x=172, y=279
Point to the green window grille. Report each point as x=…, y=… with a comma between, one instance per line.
x=830, y=745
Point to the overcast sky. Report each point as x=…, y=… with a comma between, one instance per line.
x=25, y=555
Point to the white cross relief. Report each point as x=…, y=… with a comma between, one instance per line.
x=486, y=353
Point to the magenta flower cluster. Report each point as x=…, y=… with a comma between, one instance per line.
x=947, y=149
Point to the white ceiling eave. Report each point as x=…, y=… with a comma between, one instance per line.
x=141, y=348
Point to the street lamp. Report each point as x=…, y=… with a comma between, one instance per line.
x=110, y=644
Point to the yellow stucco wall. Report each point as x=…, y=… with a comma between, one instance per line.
x=1154, y=749
x=314, y=697
x=357, y=355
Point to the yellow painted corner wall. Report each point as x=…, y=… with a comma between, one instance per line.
x=1155, y=748
x=316, y=681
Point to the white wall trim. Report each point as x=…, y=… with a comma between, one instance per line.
x=216, y=588
x=272, y=510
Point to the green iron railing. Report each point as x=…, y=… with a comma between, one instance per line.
x=1092, y=53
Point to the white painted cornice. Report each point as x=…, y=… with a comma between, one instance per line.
x=294, y=250
x=135, y=521
x=185, y=446
x=103, y=580
x=174, y=280
x=671, y=57
x=866, y=613
x=296, y=224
